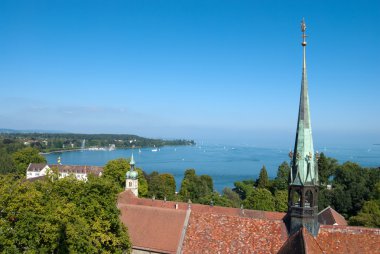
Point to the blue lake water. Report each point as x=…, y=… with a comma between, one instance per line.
x=225, y=164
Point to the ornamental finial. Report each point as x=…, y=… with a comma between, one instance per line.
x=303, y=30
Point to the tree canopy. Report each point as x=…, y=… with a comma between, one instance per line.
x=60, y=216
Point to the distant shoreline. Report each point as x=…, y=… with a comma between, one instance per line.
x=62, y=151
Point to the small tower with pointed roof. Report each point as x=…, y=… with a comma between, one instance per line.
x=303, y=179
x=132, y=182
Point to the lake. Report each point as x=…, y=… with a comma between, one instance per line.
x=225, y=164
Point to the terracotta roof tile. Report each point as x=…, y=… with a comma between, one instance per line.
x=230, y=230
x=329, y=216
x=218, y=233
x=346, y=239
x=127, y=197
x=152, y=228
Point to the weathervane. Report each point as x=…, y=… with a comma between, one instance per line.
x=303, y=29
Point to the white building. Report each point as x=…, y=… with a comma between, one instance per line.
x=80, y=172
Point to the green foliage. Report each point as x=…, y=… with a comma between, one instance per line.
x=7, y=164
x=24, y=157
x=195, y=187
x=232, y=196
x=281, y=200
x=215, y=198
x=260, y=199
x=326, y=168
x=61, y=216
x=325, y=198
x=351, y=188
x=143, y=183
x=66, y=141
x=263, y=180
x=244, y=188
x=369, y=215
x=161, y=186
x=115, y=170
x=282, y=179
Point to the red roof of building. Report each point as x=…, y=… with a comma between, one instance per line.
x=301, y=242
x=157, y=225
x=329, y=216
x=153, y=229
x=346, y=239
x=218, y=233
x=210, y=228
x=127, y=197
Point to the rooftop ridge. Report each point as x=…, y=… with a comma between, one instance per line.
x=349, y=229
x=237, y=212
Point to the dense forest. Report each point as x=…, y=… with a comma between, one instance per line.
x=69, y=216
x=48, y=142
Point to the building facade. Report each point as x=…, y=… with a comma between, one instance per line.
x=79, y=172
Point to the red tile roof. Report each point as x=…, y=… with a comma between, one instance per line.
x=223, y=229
x=218, y=233
x=127, y=197
x=301, y=242
x=346, y=239
x=153, y=229
x=329, y=216
x=230, y=230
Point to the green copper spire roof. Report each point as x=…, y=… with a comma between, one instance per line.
x=304, y=170
x=132, y=162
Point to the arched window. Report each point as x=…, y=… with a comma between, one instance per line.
x=309, y=199
x=295, y=198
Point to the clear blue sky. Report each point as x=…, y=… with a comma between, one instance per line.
x=208, y=70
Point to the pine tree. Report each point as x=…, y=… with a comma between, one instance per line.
x=263, y=181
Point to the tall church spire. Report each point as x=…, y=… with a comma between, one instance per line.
x=304, y=171
x=303, y=184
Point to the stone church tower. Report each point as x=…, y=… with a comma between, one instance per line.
x=303, y=180
x=132, y=182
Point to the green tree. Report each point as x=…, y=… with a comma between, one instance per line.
x=260, y=199
x=244, y=188
x=281, y=200
x=282, y=179
x=162, y=185
x=60, y=216
x=215, y=198
x=232, y=196
x=351, y=188
x=326, y=168
x=194, y=187
x=263, y=180
x=325, y=198
x=369, y=215
x=115, y=170
x=143, y=183
x=24, y=157
x=6, y=163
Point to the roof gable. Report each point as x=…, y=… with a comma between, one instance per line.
x=301, y=242
x=329, y=216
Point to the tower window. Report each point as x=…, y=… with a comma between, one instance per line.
x=295, y=198
x=309, y=199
